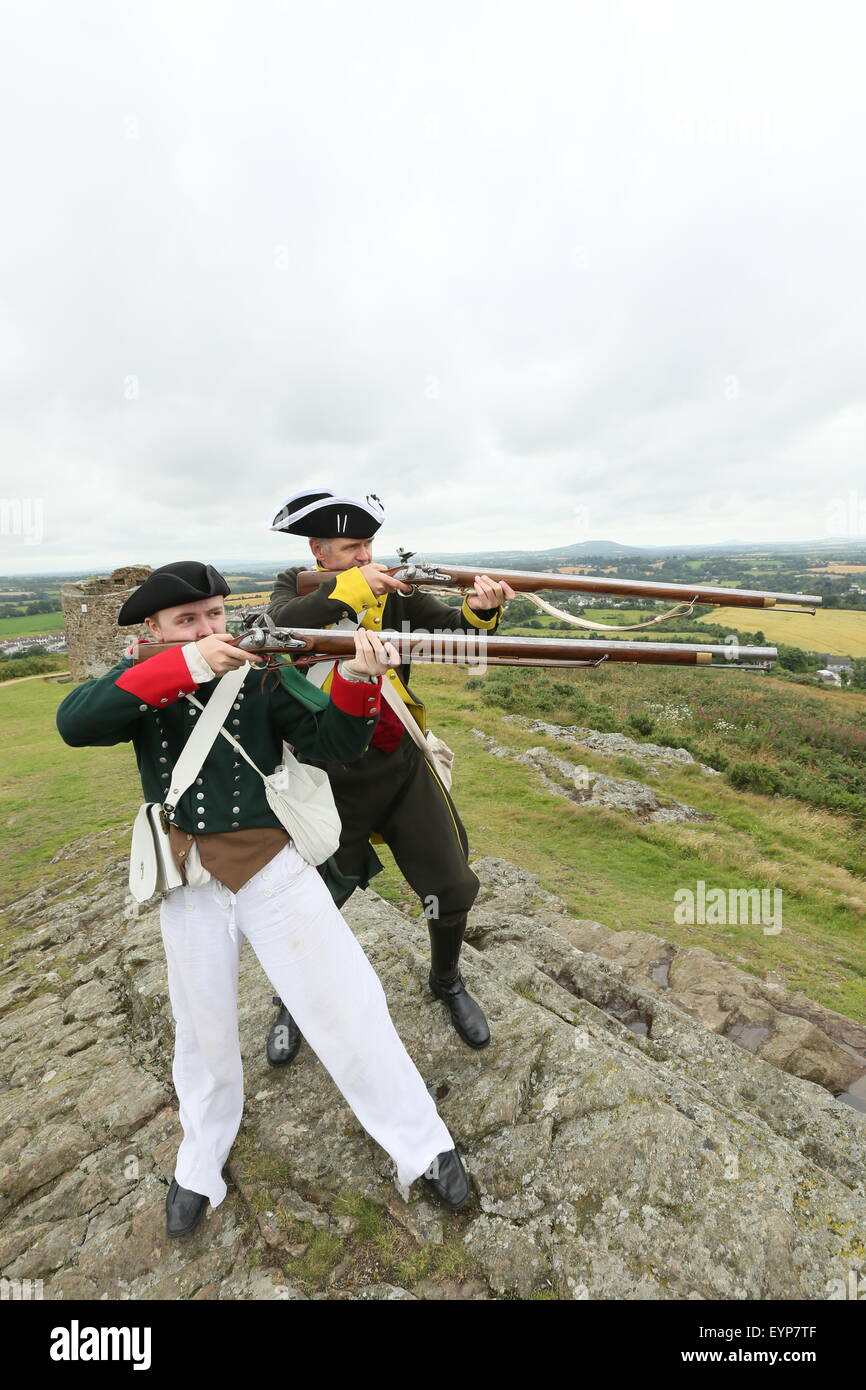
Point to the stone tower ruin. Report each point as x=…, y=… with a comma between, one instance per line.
x=90, y=609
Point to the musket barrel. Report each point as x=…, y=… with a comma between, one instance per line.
x=527, y=581
x=473, y=648
x=478, y=649
x=531, y=581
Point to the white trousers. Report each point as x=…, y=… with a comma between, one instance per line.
x=323, y=977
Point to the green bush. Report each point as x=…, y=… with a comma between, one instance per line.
x=630, y=767
x=641, y=724
x=670, y=740
x=717, y=758
x=756, y=777
x=13, y=668
x=602, y=720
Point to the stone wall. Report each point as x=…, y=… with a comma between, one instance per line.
x=90, y=609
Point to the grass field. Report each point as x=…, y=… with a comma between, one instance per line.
x=606, y=865
x=53, y=794
x=839, y=631
x=36, y=626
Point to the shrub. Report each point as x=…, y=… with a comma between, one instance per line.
x=41, y=665
x=631, y=767
x=641, y=724
x=717, y=758
x=602, y=720
x=756, y=777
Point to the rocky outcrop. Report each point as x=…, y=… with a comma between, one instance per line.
x=586, y=787
x=781, y=1026
x=613, y=745
x=618, y=1148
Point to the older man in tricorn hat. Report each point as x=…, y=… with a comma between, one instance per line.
x=243, y=877
x=392, y=790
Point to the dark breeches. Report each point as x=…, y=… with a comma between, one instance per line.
x=398, y=796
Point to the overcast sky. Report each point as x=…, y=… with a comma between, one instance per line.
x=531, y=272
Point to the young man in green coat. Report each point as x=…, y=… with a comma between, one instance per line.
x=391, y=790
x=244, y=877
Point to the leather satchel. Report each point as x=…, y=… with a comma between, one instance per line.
x=151, y=863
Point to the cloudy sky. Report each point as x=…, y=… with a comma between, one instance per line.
x=532, y=272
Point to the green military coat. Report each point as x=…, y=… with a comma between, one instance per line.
x=143, y=704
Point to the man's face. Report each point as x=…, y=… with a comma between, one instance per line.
x=343, y=554
x=189, y=621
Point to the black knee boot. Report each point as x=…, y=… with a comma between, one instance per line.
x=284, y=1039
x=446, y=982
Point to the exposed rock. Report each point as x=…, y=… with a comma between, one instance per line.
x=616, y=1147
x=615, y=745
x=48, y=1248
x=588, y=788
x=45, y=1155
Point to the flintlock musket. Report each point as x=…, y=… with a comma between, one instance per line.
x=417, y=571
x=305, y=645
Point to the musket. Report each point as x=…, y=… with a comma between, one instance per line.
x=442, y=576
x=307, y=645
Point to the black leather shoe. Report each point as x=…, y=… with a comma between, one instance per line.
x=467, y=1016
x=183, y=1210
x=284, y=1039
x=446, y=1178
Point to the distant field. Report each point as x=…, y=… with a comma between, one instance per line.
x=838, y=569
x=585, y=569
x=839, y=631
x=37, y=626
x=245, y=600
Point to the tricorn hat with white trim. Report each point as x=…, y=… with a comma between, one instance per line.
x=183, y=581
x=324, y=515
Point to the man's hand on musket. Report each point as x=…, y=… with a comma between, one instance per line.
x=489, y=593
x=381, y=582
x=372, y=656
x=221, y=654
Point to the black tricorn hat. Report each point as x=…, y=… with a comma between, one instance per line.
x=183, y=581
x=322, y=513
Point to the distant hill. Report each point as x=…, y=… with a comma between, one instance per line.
x=604, y=548
x=578, y=550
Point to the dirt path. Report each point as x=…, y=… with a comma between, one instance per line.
x=45, y=676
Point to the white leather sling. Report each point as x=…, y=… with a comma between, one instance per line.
x=151, y=863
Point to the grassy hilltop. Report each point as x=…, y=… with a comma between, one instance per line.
x=790, y=807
